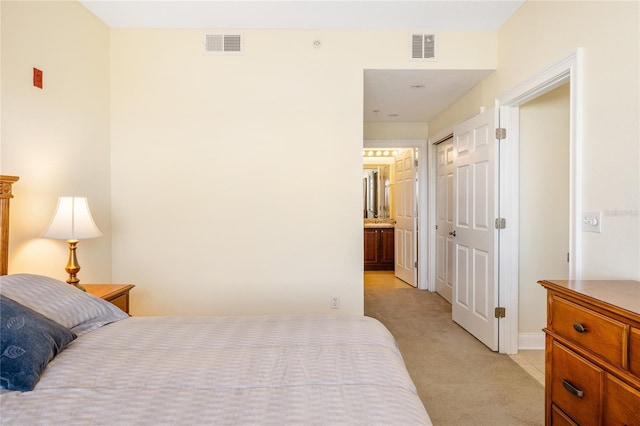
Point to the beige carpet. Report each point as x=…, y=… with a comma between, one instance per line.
x=460, y=381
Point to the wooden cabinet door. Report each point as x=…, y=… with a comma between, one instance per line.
x=379, y=249
x=387, y=246
x=371, y=244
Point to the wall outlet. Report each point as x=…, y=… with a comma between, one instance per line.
x=335, y=302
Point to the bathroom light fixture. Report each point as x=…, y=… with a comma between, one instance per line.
x=379, y=153
x=72, y=221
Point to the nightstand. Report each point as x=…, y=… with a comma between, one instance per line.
x=118, y=294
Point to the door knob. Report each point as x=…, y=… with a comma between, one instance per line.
x=453, y=234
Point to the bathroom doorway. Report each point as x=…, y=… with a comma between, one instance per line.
x=406, y=207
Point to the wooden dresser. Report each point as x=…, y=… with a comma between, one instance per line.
x=592, y=353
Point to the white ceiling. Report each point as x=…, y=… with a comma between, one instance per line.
x=414, y=95
x=305, y=14
x=387, y=91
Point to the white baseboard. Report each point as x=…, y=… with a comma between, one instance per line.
x=531, y=341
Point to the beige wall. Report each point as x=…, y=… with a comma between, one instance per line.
x=56, y=139
x=197, y=166
x=541, y=33
x=213, y=209
x=538, y=35
x=544, y=202
x=216, y=206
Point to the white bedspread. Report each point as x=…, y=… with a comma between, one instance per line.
x=224, y=370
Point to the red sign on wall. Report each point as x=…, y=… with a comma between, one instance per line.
x=37, y=78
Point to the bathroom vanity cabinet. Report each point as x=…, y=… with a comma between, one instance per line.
x=379, y=249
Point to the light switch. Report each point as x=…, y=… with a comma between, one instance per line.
x=592, y=222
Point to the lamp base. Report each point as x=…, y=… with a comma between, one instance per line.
x=76, y=285
x=73, y=267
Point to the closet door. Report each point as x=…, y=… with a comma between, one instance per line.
x=444, y=215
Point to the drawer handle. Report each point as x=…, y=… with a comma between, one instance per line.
x=579, y=327
x=572, y=389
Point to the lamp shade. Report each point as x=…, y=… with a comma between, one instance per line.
x=72, y=220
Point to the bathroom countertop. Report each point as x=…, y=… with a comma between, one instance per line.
x=379, y=223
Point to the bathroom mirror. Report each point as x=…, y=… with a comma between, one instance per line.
x=376, y=196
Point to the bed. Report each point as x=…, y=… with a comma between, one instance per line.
x=104, y=367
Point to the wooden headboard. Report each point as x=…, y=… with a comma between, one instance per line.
x=5, y=197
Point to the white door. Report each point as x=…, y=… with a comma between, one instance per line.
x=475, y=236
x=444, y=219
x=405, y=241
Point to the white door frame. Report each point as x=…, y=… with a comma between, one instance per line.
x=423, y=206
x=568, y=69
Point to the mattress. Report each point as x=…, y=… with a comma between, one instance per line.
x=224, y=370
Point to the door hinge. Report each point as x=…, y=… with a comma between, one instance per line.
x=501, y=133
x=415, y=163
x=568, y=258
x=436, y=227
x=501, y=312
x=501, y=223
x=415, y=264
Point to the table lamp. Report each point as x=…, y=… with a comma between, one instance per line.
x=72, y=221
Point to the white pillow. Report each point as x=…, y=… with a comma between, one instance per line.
x=63, y=303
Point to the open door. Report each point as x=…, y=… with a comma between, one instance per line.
x=405, y=241
x=474, y=233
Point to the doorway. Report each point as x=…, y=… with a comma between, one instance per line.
x=544, y=207
x=566, y=70
x=420, y=239
x=558, y=74
x=543, y=215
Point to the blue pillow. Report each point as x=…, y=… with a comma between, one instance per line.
x=29, y=341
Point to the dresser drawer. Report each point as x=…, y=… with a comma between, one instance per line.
x=121, y=302
x=576, y=385
x=622, y=404
x=634, y=357
x=558, y=418
x=601, y=335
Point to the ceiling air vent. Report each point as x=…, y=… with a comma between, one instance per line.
x=423, y=46
x=223, y=43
